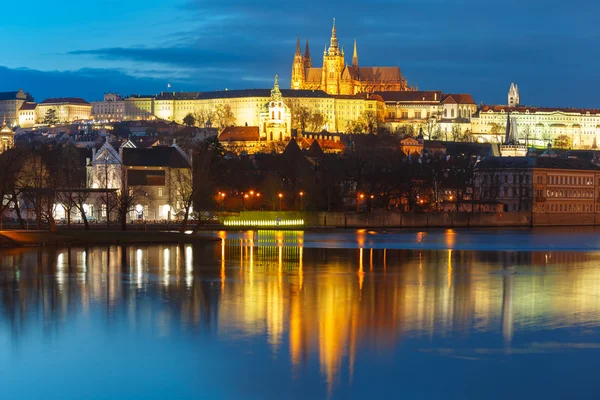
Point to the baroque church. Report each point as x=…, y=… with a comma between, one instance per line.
x=336, y=77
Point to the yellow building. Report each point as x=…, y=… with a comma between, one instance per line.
x=139, y=107
x=335, y=77
x=68, y=109
x=27, y=115
x=7, y=137
x=10, y=104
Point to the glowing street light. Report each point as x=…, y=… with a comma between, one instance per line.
x=301, y=202
x=280, y=195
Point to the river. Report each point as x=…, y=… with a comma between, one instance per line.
x=454, y=314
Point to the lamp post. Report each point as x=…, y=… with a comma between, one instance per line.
x=246, y=196
x=360, y=197
x=280, y=195
x=301, y=201
x=222, y=195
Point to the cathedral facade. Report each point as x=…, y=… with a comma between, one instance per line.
x=335, y=77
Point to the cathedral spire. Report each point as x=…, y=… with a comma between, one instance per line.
x=307, y=59
x=333, y=46
x=355, y=56
x=298, y=50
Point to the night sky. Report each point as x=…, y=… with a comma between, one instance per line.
x=85, y=48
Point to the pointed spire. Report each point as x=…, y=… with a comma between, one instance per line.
x=307, y=59
x=298, y=50
x=333, y=46
x=275, y=92
x=355, y=56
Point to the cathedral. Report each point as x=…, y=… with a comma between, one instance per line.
x=336, y=77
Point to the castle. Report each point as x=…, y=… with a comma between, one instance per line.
x=335, y=77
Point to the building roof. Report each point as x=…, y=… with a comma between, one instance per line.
x=524, y=109
x=458, y=98
x=18, y=95
x=373, y=74
x=159, y=156
x=65, y=100
x=536, y=162
x=420, y=96
x=28, y=106
x=240, y=133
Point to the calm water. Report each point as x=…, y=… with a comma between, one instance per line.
x=290, y=315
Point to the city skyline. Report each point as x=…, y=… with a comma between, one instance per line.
x=142, y=46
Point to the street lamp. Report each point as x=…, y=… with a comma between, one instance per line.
x=301, y=202
x=222, y=200
x=361, y=196
x=280, y=195
x=244, y=201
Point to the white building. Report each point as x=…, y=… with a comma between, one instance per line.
x=111, y=109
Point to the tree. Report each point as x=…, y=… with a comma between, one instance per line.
x=203, y=117
x=301, y=117
x=72, y=194
x=189, y=120
x=223, y=116
x=563, y=142
x=51, y=117
x=182, y=190
x=317, y=121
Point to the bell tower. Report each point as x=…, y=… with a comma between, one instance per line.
x=333, y=65
x=513, y=95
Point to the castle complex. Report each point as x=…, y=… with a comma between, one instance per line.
x=336, y=77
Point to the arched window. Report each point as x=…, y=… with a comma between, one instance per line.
x=452, y=113
x=278, y=114
x=272, y=114
x=445, y=113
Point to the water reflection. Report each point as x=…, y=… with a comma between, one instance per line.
x=305, y=303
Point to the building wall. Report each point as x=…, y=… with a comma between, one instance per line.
x=583, y=128
x=9, y=111
x=66, y=112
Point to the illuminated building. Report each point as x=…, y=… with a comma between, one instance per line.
x=161, y=173
x=68, y=109
x=336, y=77
x=27, y=115
x=7, y=137
x=556, y=191
x=579, y=127
x=10, y=104
x=112, y=108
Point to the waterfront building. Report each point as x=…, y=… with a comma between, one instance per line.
x=562, y=191
x=67, y=109
x=336, y=77
x=10, y=104
x=158, y=175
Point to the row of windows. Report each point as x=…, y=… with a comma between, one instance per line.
x=589, y=194
x=567, y=180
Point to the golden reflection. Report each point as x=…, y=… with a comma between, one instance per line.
x=450, y=238
x=308, y=303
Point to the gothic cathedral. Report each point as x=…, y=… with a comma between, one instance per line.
x=335, y=77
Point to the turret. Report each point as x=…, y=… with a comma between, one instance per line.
x=334, y=49
x=355, y=56
x=513, y=95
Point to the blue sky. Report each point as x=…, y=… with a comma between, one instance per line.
x=86, y=48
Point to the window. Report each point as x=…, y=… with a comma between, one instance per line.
x=160, y=192
x=452, y=113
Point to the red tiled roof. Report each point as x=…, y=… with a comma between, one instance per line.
x=458, y=98
x=327, y=145
x=240, y=133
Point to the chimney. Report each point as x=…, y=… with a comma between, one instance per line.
x=121, y=154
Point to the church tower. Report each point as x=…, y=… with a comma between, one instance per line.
x=513, y=95
x=298, y=68
x=333, y=65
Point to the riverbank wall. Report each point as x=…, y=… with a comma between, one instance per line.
x=375, y=219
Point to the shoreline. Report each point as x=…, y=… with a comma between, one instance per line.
x=20, y=238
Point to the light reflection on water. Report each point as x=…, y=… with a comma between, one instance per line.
x=265, y=302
